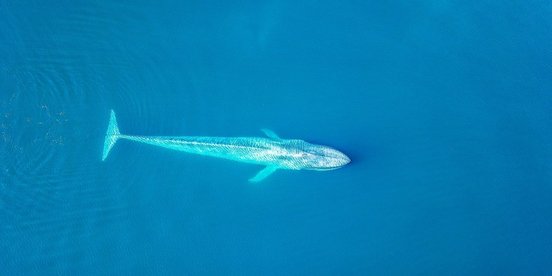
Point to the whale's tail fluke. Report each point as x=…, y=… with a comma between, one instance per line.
x=111, y=136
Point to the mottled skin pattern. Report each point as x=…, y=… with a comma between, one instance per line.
x=286, y=154
x=273, y=152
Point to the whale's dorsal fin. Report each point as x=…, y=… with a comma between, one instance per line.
x=271, y=134
x=264, y=173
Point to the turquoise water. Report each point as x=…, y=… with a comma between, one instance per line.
x=443, y=106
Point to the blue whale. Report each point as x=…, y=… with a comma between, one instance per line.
x=272, y=152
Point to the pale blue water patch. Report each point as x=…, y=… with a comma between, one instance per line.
x=444, y=108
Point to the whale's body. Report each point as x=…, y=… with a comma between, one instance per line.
x=273, y=152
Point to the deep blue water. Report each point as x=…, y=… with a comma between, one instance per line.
x=445, y=108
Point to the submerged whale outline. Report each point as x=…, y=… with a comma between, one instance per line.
x=273, y=152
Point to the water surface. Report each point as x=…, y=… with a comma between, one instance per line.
x=443, y=106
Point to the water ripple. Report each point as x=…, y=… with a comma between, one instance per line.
x=54, y=105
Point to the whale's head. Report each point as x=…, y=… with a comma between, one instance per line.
x=322, y=158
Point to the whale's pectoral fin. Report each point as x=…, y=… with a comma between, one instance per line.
x=271, y=134
x=264, y=173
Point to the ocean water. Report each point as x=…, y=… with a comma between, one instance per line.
x=444, y=107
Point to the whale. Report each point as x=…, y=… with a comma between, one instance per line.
x=272, y=152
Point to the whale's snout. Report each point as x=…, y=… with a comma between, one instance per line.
x=342, y=159
x=323, y=158
x=335, y=159
x=345, y=159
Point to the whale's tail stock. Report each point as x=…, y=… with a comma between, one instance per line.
x=111, y=136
